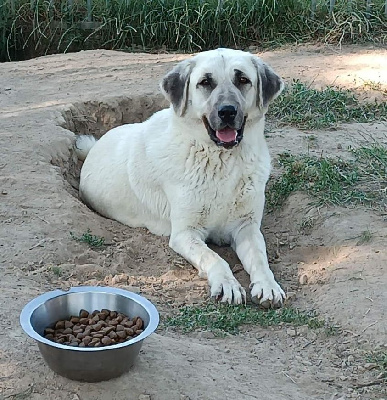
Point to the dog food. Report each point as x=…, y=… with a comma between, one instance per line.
x=96, y=329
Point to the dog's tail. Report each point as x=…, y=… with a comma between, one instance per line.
x=83, y=145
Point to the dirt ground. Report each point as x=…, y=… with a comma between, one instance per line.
x=44, y=100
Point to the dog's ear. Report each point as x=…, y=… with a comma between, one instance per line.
x=175, y=86
x=270, y=85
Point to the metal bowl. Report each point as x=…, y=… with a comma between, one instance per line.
x=87, y=364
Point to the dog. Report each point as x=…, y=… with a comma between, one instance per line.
x=197, y=170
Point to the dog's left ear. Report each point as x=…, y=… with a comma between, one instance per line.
x=270, y=85
x=175, y=86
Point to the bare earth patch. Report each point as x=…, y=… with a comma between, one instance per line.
x=321, y=256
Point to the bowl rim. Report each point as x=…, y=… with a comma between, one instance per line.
x=29, y=308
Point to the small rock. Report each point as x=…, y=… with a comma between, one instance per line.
x=291, y=332
x=206, y=335
x=4, y=192
x=369, y=366
x=303, y=330
x=303, y=279
x=144, y=397
x=351, y=359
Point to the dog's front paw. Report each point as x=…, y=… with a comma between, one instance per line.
x=227, y=289
x=267, y=293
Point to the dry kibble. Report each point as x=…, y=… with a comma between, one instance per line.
x=122, y=335
x=106, y=341
x=128, y=324
x=60, y=325
x=96, y=329
x=68, y=324
x=95, y=319
x=129, y=331
x=86, y=340
x=112, y=335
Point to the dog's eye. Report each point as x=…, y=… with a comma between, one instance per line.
x=205, y=82
x=243, y=80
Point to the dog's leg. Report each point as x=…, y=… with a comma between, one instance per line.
x=249, y=244
x=190, y=244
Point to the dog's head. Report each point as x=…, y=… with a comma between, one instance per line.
x=222, y=89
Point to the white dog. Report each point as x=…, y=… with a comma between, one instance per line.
x=196, y=171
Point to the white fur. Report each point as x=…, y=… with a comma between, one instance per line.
x=167, y=175
x=83, y=145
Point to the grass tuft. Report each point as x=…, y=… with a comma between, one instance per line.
x=91, y=240
x=56, y=270
x=333, y=181
x=327, y=180
x=224, y=318
x=380, y=359
x=307, y=108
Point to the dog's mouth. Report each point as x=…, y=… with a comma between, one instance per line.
x=226, y=137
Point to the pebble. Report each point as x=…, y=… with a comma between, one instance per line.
x=303, y=279
x=144, y=397
x=291, y=332
x=206, y=335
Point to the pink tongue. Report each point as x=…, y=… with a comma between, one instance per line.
x=226, y=135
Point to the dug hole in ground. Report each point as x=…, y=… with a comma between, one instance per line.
x=327, y=267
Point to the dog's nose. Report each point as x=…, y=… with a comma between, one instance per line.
x=227, y=113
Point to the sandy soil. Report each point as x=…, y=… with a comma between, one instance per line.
x=43, y=101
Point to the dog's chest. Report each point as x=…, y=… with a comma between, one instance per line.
x=223, y=186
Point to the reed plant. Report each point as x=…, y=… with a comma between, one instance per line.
x=30, y=28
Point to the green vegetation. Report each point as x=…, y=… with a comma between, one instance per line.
x=87, y=237
x=328, y=181
x=307, y=108
x=380, y=359
x=224, y=318
x=29, y=28
x=365, y=237
x=333, y=181
x=57, y=271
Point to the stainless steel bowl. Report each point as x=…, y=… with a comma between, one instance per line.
x=87, y=364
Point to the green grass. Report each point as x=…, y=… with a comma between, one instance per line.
x=223, y=318
x=332, y=181
x=365, y=237
x=307, y=108
x=49, y=27
x=57, y=271
x=327, y=180
x=372, y=162
x=91, y=240
x=380, y=359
